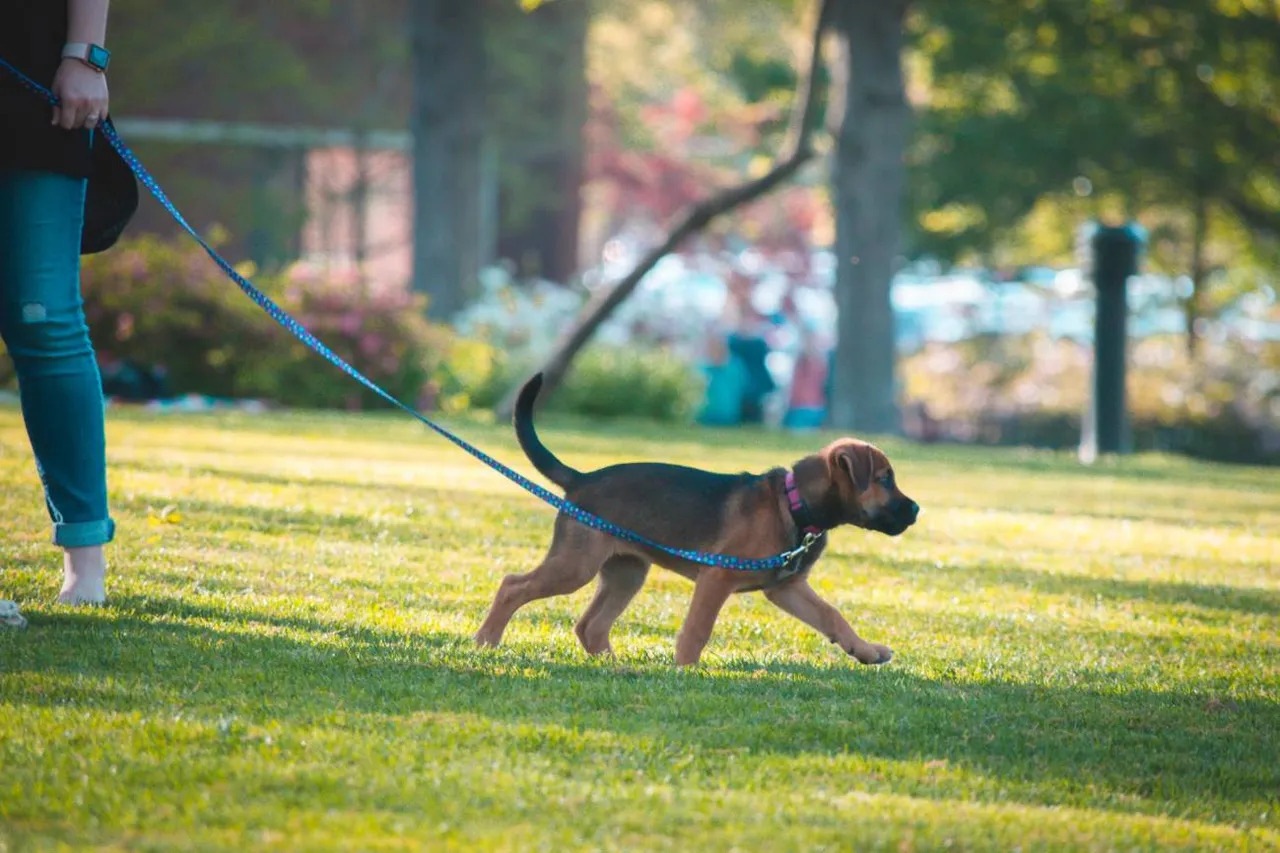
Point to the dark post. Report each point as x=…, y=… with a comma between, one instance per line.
x=1115, y=251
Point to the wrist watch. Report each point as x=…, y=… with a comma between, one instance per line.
x=93, y=55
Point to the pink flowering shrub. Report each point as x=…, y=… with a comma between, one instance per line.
x=384, y=333
x=163, y=304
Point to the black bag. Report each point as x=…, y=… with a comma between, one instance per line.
x=110, y=200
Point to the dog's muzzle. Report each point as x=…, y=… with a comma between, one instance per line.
x=897, y=517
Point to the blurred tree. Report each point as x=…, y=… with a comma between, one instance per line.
x=510, y=115
x=448, y=50
x=1167, y=107
x=872, y=118
x=693, y=96
x=797, y=150
x=295, y=62
x=870, y=121
x=539, y=100
x=671, y=119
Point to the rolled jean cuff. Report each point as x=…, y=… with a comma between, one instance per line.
x=83, y=534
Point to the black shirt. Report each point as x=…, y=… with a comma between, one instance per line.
x=32, y=33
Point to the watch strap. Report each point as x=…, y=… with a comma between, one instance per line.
x=94, y=55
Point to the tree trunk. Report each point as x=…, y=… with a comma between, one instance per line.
x=543, y=241
x=797, y=151
x=868, y=187
x=359, y=205
x=1193, y=305
x=447, y=123
x=573, y=122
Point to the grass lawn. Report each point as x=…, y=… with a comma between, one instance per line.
x=1084, y=659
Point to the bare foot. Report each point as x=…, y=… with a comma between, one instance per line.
x=84, y=576
x=10, y=616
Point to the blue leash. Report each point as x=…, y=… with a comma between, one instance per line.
x=291, y=325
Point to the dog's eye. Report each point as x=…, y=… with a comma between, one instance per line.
x=887, y=480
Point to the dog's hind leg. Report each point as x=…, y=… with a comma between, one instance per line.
x=621, y=578
x=575, y=557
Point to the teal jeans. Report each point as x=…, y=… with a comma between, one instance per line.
x=43, y=326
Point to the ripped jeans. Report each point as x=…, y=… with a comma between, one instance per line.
x=43, y=327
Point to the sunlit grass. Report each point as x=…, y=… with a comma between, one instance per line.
x=1085, y=659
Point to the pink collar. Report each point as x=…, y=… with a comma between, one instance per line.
x=799, y=511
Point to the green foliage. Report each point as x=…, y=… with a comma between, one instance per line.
x=773, y=80
x=163, y=304
x=160, y=303
x=474, y=374
x=316, y=62
x=1085, y=660
x=605, y=382
x=385, y=335
x=1128, y=106
x=632, y=383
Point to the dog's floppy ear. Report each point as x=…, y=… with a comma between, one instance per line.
x=857, y=462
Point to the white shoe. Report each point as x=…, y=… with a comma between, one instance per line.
x=10, y=616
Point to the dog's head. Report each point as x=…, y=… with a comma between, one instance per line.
x=857, y=485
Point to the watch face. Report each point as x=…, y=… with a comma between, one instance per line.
x=98, y=57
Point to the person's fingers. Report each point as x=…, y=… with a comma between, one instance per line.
x=73, y=113
x=73, y=110
x=83, y=99
x=95, y=111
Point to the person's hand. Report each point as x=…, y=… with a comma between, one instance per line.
x=82, y=96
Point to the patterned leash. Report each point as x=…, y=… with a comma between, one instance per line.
x=291, y=325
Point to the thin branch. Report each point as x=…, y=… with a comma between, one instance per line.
x=798, y=149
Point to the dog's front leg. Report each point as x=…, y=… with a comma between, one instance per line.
x=710, y=592
x=803, y=602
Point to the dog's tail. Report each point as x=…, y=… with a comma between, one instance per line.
x=544, y=460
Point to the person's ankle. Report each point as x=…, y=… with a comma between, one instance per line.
x=84, y=576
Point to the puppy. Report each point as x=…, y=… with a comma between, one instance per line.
x=745, y=515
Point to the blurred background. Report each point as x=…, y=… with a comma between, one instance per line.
x=441, y=189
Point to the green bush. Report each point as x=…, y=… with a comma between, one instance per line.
x=163, y=304
x=610, y=382
x=475, y=374
x=384, y=334
x=604, y=382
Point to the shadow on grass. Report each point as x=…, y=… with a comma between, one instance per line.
x=232, y=518
x=1189, y=754
x=1251, y=600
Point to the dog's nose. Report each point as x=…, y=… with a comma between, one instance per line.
x=914, y=509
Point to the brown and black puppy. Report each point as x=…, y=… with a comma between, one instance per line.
x=746, y=515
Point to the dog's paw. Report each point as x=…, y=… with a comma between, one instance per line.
x=872, y=654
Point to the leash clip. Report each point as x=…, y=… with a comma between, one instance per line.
x=803, y=548
x=791, y=565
